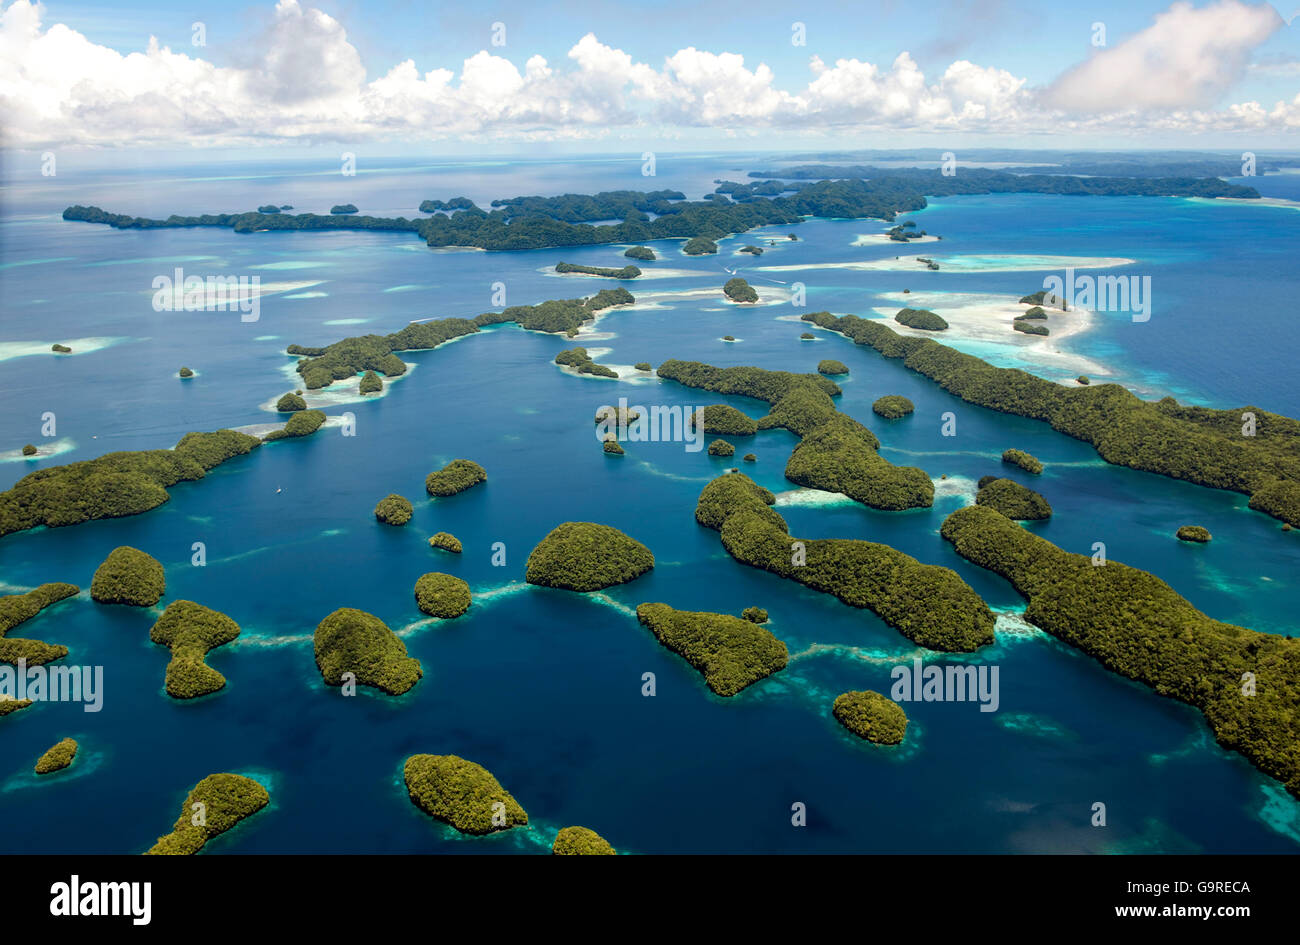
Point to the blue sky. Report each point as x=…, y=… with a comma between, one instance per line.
x=1017, y=89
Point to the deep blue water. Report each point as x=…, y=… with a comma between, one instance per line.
x=543, y=687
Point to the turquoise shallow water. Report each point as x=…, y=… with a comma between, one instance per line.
x=543, y=687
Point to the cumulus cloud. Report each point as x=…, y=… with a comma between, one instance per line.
x=303, y=80
x=1188, y=57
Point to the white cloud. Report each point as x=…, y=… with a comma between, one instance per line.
x=303, y=80
x=1188, y=57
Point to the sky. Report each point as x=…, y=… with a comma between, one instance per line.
x=515, y=77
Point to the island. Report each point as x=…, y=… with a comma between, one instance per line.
x=580, y=841
x=738, y=290
x=699, y=246
x=830, y=366
x=643, y=253
x=721, y=448
x=643, y=366
x=728, y=337
x=835, y=453
x=731, y=653
x=578, y=359
x=1013, y=500
x=18, y=608
x=754, y=614
x=617, y=416
x=1196, y=533
x=1196, y=444
x=115, y=484
x=461, y=793
x=1035, y=313
x=871, y=716
x=223, y=800
x=60, y=349
x=29, y=450
x=611, y=446
x=190, y=630
x=893, y=406
x=1083, y=379
x=752, y=250
x=587, y=556
x=893, y=585
x=807, y=336
x=268, y=208
x=455, y=477
x=724, y=420
x=1043, y=297
x=302, y=423
x=370, y=383
x=353, y=641
x=1029, y=328
x=339, y=208
x=921, y=318
x=9, y=705
x=626, y=272
x=58, y=757
x=185, y=372
x=128, y=576
x=446, y=541
x=291, y=402
x=1136, y=625
x=393, y=509
x=442, y=595
x=749, y=458
x=1025, y=461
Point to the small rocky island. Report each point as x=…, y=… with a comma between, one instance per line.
x=447, y=542
x=58, y=757
x=893, y=406
x=461, y=793
x=128, y=576
x=353, y=641
x=1195, y=533
x=1013, y=500
x=921, y=318
x=190, y=630
x=730, y=652
x=831, y=367
x=587, y=556
x=738, y=290
x=442, y=595
x=393, y=509
x=225, y=800
x=871, y=716
x=581, y=841
x=455, y=477
x=1025, y=461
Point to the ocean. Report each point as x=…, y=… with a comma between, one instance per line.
x=543, y=687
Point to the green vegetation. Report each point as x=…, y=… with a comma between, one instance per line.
x=303, y=423
x=754, y=614
x=393, y=509
x=1193, y=533
x=728, y=337
x=831, y=366
x=190, y=630
x=643, y=366
x=807, y=336
x=724, y=420
x=456, y=476
x=1135, y=624
x=128, y=576
x=721, y=448
x=344, y=208
x=752, y=250
x=370, y=383
x=921, y=318
x=460, y=793
x=738, y=290
x=586, y=556
x=930, y=605
x=1196, y=444
x=185, y=372
x=447, y=542
x=17, y=608
x=616, y=415
x=9, y=705
x=320, y=367
x=893, y=406
x=871, y=716
x=644, y=253
x=1083, y=379
x=612, y=446
x=115, y=484
x=58, y=757
x=580, y=841
x=442, y=595
x=579, y=359
x=731, y=653
x=223, y=800
x=750, y=458
x=1013, y=500
x=290, y=402
x=836, y=454
x=1034, y=313
x=268, y=208
x=1043, y=297
x=699, y=246
x=29, y=450
x=60, y=349
x=1024, y=460
x=626, y=272
x=353, y=641
x=1029, y=328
